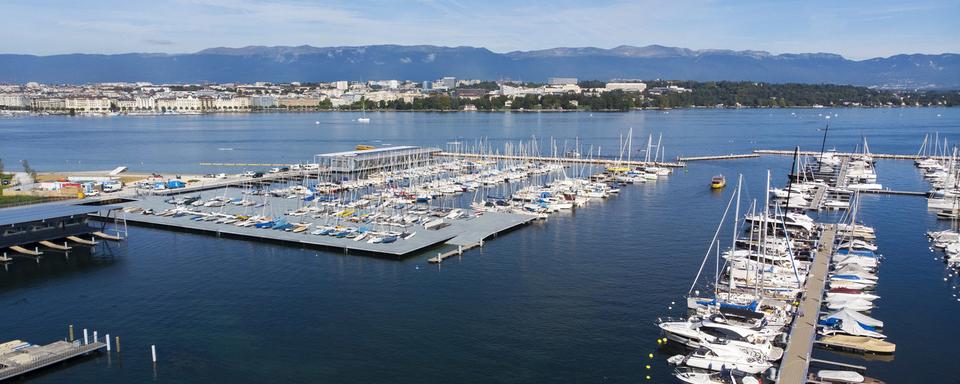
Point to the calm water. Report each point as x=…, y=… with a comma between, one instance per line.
x=570, y=300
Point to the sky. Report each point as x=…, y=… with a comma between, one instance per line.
x=855, y=29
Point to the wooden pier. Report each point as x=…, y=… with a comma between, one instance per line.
x=574, y=160
x=796, y=358
x=719, y=157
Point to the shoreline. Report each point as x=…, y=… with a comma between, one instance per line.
x=19, y=113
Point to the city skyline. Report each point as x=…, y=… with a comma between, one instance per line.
x=856, y=30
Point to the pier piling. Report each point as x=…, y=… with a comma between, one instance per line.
x=153, y=353
x=118, y=343
x=106, y=339
x=85, y=339
x=70, y=332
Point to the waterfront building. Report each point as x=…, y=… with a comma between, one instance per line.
x=298, y=102
x=48, y=103
x=231, y=103
x=14, y=100
x=264, y=101
x=87, y=104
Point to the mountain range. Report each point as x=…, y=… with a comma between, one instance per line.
x=426, y=62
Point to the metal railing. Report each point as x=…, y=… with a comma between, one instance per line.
x=40, y=362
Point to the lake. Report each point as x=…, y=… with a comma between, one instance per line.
x=573, y=299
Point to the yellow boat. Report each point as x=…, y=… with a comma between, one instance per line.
x=617, y=169
x=362, y=147
x=718, y=182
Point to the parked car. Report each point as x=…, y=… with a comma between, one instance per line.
x=258, y=175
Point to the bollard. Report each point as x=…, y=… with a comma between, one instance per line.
x=85, y=340
x=118, y=344
x=153, y=353
x=71, y=333
x=106, y=339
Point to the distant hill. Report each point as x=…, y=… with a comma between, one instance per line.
x=425, y=62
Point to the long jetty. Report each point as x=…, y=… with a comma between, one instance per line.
x=576, y=160
x=719, y=157
x=844, y=154
x=796, y=358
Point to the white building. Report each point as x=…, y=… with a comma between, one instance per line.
x=87, y=104
x=14, y=100
x=626, y=87
x=232, y=103
x=562, y=81
x=342, y=85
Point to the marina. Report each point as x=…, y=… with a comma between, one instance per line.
x=566, y=262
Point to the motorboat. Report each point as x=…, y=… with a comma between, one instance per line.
x=718, y=182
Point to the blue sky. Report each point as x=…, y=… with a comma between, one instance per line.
x=855, y=29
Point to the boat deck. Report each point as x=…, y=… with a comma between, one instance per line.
x=796, y=358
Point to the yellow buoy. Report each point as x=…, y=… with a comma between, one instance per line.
x=650, y=355
x=648, y=366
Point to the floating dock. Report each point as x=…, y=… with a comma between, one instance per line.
x=796, y=358
x=572, y=160
x=458, y=232
x=23, y=360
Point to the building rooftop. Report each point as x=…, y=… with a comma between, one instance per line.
x=375, y=150
x=46, y=211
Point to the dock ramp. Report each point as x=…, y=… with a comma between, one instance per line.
x=51, y=245
x=81, y=241
x=25, y=251
x=107, y=237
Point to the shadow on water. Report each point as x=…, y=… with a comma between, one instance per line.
x=54, y=369
x=54, y=264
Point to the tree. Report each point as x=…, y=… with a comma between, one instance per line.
x=28, y=170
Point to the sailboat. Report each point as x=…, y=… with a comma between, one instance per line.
x=363, y=110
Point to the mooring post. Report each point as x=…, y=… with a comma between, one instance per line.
x=118, y=344
x=94, y=336
x=153, y=353
x=71, y=332
x=85, y=339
